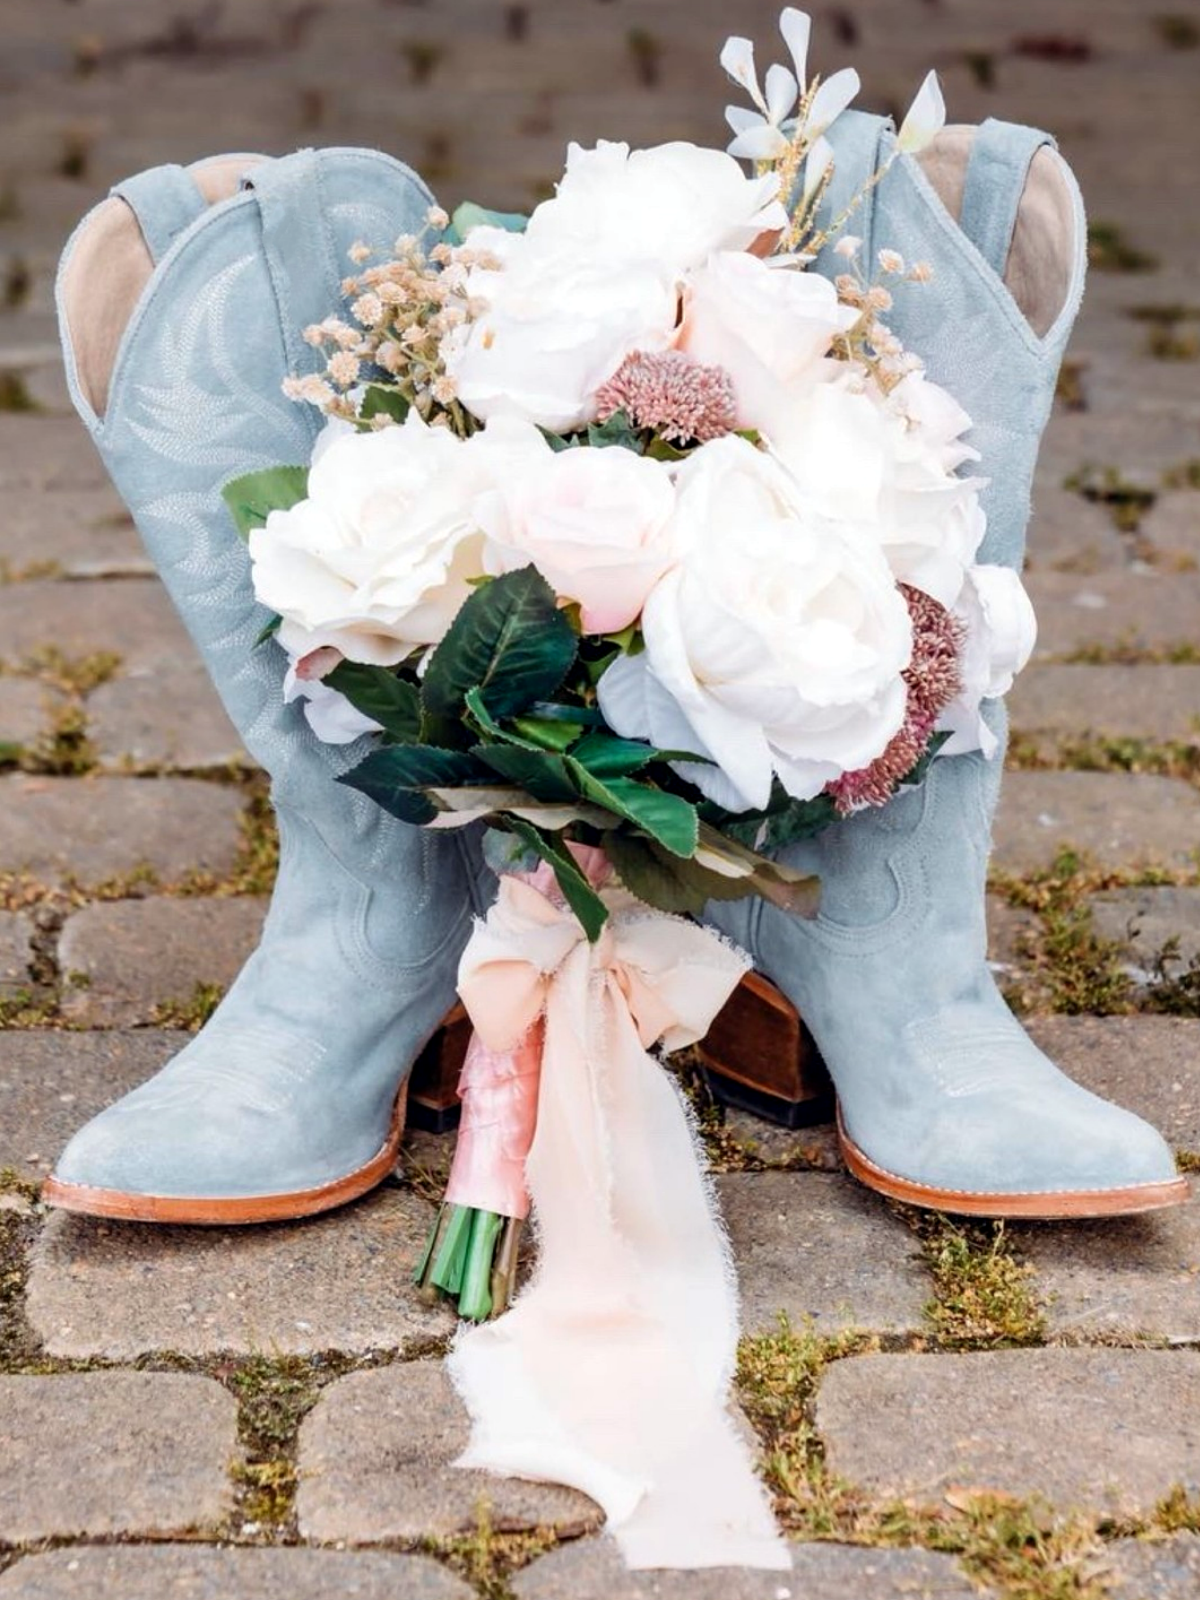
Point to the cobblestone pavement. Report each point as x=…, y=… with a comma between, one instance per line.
x=261, y=1413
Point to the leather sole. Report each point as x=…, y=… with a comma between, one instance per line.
x=1048, y=1205
x=205, y=1211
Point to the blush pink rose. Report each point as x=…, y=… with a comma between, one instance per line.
x=597, y=523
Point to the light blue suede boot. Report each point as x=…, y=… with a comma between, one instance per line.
x=943, y=1099
x=179, y=328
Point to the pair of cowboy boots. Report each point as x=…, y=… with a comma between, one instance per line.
x=182, y=299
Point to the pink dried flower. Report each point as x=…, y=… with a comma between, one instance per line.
x=933, y=678
x=669, y=392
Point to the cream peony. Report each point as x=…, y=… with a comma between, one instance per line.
x=551, y=332
x=775, y=647
x=674, y=204
x=595, y=522
x=376, y=561
x=329, y=714
x=1001, y=633
x=768, y=326
x=596, y=275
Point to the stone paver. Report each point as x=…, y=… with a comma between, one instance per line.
x=135, y=954
x=1050, y=704
x=1148, y=1064
x=815, y=1245
x=375, y=1463
x=814, y=1147
x=51, y=1083
x=1143, y=1569
x=85, y=533
x=1142, y=921
x=1102, y=1431
x=1128, y=1275
x=1120, y=819
x=15, y=934
x=340, y=1282
x=194, y=1572
x=593, y=1570
x=43, y=453
x=1148, y=610
x=132, y=618
x=166, y=716
x=113, y=1452
x=25, y=711
x=89, y=830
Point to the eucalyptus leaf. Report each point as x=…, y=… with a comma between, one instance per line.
x=470, y=215
x=792, y=891
x=253, y=497
x=509, y=640
x=378, y=693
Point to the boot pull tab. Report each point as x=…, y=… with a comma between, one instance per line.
x=997, y=169
x=298, y=245
x=165, y=201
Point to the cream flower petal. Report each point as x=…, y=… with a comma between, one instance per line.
x=781, y=93
x=831, y=99
x=925, y=119
x=737, y=57
x=796, y=26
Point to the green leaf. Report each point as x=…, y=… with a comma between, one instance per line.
x=663, y=450
x=268, y=630
x=666, y=881
x=380, y=401
x=918, y=773
x=486, y=725
x=469, y=215
x=548, y=733
x=666, y=817
x=606, y=756
x=509, y=640
x=577, y=891
x=616, y=431
x=253, y=497
x=548, y=710
x=559, y=442
x=539, y=772
x=394, y=776
x=379, y=694
x=795, y=892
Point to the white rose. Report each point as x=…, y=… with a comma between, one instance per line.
x=674, y=204
x=776, y=646
x=887, y=462
x=376, y=561
x=931, y=521
x=1001, y=631
x=552, y=331
x=595, y=522
x=767, y=326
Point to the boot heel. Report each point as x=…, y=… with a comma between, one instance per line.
x=433, y=1103
x=759, y=1057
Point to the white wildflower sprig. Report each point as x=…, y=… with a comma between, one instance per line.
x=786, y=124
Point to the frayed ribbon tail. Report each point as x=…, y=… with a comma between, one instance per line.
x=611, y=1372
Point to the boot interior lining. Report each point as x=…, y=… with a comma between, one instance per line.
x=1041, y=258
x=109, y=268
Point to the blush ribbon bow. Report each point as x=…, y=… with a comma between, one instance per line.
x=611, y=1371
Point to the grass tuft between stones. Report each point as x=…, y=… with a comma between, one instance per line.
x=190, y=1014
x=1016, y=1548
x=984, y=1297
x=1071, y=968
x=487, y=1556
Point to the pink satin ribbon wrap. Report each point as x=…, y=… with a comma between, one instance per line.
x=612, y=1370
x=499, y=1094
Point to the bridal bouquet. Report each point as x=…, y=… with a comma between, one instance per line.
x=634, y=537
